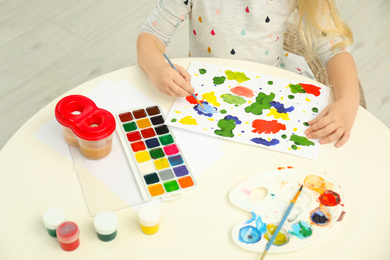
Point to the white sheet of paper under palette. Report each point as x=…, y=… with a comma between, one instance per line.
x=157, y=162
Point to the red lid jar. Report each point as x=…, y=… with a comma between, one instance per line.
x=68, y=235
x=92, y=126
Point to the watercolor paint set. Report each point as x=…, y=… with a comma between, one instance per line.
x=267, y=195
x=155, y=157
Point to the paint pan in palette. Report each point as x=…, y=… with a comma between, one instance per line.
x=154, y=156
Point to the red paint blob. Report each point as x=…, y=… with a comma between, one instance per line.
x=329, y=198
x=242, y=91
x=267, y=127
x=311, y=89
x=191, y=100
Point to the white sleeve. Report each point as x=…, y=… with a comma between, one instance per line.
x=165, y=18
x=324, y=50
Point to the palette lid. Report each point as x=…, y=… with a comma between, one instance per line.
x=98, y=125
x=73, y=108
x=68, y=232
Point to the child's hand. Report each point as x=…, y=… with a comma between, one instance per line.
x=171, y=82
x=334, y=122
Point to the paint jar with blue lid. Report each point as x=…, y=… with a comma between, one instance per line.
x=52, y=219
x=106, y=225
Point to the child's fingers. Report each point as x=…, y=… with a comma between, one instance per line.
x=317, y=126
x=343, y=139
x=336, y=134
x=319, y=117
x=323, y=131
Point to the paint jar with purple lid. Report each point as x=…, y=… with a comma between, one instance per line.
x=149, y=217
x=106, y=225
x=52, y=219
x=68, y=235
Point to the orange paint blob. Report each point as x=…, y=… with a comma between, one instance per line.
x=242, y=91
x=143, y=123
x=186, y=182
x=156, y=189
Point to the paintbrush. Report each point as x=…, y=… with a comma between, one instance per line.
x=170, y=63
x=271, y=241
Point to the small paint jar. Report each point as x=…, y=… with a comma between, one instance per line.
x=106, y=224
x=149, y=217
x=68, y=235
x=52, y=218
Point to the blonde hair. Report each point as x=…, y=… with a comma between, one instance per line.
x=320, y=17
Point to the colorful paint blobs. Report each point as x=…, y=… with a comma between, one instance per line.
x=267, y=127
x=211, y=98
x=219, y=80
x=226, y=127
x=238, y=76
x=320, y=216
x=202, y=71
x=188, y=120
x=296, y=88
x=259, y=140
x=263, y=101
x=242, y=91
x=301, y=230
x=274, y=112
x=190, y=99
x=301, y=140
x=250, y=234
x=206, y=110
x=311, y=89
x=329, y=198
x=233, y=99
x=281, y=238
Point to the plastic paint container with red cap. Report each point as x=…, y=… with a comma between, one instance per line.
x=86, y=126
x=68, y=235
x=52, y=218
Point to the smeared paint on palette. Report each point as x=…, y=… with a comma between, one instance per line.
x=267, y=195
x=154, y=156
x=251, y=108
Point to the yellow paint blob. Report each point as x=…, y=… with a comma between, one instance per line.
x=295, y=129
x=188, y=120
x=211, y=119
x=211, y=98
x=196, y=74
x=161, y=163
x=273, y=112
x=177, y=112
x=308, y=99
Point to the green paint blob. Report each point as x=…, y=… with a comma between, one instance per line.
x=301, y=140
x=171, y=185
x=296, y=88
x=156, y=153
x=262, y=102
x=294, y=147
x=219, y=80
x=233, y=99
x=291, y=96
x=173, y=120
x=227, y=126
x=314, y=109
x=284, y=136
x=305, y=123
x=239, y=76
x=270, y=82
x=130, y=126
x=202, y=71
x=223, y=111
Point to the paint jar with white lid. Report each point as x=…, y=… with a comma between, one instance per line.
x=52, y=219
x=149, y=217
x=106, y=225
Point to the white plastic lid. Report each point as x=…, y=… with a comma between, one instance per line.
x=53, y=217
x=105, y=223
x=149, y=215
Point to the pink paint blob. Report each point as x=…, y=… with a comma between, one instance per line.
x=242, y=91
x=267, y=127
x=171, y=149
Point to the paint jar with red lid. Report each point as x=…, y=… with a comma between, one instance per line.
x=86, y=126
x=68, y=235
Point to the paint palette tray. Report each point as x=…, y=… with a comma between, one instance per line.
x=157, y=162
x=267, y=196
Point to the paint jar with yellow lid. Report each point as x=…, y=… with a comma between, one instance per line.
x=149, y=217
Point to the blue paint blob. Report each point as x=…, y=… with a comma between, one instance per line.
x=236, y=120
x=280, y=107
x=250, y=234
x=208, y=110
x=301, y=230
x=259, y=140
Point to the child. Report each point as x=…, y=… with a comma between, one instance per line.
x=254, y=30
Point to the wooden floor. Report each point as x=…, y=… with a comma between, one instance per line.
x=49, y=47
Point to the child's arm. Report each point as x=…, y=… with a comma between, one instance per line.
x=164, y=77
x=336, y=121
